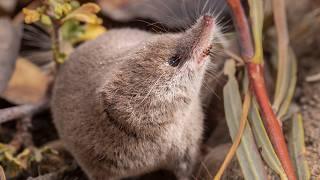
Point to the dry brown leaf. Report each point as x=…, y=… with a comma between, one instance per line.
x=27, y=85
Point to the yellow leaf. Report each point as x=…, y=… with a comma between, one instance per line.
x=28, y=84
x=91, y=32
x=85, y=13
x=11, y=164
x=30, y=16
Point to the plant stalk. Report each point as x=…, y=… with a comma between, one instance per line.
x=271, y=122
x=257, y=83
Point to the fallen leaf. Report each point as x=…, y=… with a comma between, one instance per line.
x=10, y=37
x=12, y=166
x=27, y=85
x=16, y=163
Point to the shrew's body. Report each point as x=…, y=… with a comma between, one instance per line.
x=129, y=102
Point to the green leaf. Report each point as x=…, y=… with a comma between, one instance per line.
x=286, y=62
x=297, y=147
x=263, y=141
x=45, y=20
x=74, y=4
x=74, y=32
x=290, y=84
x=248, y=155
x=71, y=30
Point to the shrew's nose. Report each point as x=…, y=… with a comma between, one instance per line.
x=207, y=20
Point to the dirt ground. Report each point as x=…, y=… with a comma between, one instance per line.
x=310, y=105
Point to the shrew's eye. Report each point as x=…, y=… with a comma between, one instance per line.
x=174, y=61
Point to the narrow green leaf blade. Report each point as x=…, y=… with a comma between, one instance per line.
x=248, y=156
x=263, y=141
x=291, y=78
x=297, y=147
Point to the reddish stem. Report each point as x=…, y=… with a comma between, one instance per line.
x=271, y=122
x=257, y=82
x=241, y=24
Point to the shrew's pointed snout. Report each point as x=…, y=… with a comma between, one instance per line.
x=207, y=20
x=202, y=30
x=195, y=44
x=201, y=36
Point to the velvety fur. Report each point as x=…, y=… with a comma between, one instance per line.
x=122, y=110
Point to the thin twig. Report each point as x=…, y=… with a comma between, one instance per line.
x=21, y=111
x=236, y=142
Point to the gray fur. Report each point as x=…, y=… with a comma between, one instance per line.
x=122, y=111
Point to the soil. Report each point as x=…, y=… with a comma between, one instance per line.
x=310, y=105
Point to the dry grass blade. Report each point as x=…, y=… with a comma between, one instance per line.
x=263, y=141
x=297, y=147
x=247, y=153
